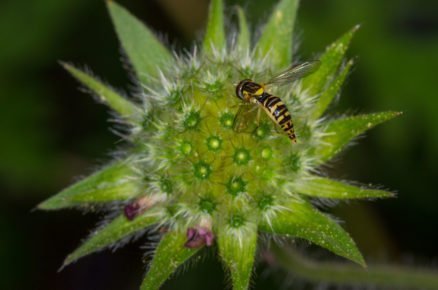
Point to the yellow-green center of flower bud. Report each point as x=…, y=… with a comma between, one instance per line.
x=241, y=156
x=262, y=131
x=265, y=201
x=236, y=221
x=266, y=153
x=227, y=120
x=192, y=120
x=214, y=143
x=236, y=185
x=185, y=147
x=202, y=170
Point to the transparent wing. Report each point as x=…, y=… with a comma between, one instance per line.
x=294, y=73
x=245, y=117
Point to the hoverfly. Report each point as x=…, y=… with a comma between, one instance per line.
x=251, y=92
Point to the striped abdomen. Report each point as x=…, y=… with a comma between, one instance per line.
x=279, y=113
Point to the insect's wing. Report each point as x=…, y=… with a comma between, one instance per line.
x=245, y=117
x=294, y=73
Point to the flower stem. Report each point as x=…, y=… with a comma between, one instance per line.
x=388, y=276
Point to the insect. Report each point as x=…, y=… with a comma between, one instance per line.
x=251, y=92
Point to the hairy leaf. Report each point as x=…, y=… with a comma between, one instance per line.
x=111, y=183
x=300, y=219
x=113, y=232
x=328, y=188
x=244, y=38
x=169, y=255
x=144, y=50
x=237, y=249
x=276, y=39
x=340, y=132
x=215, y=34
x=331, y=59
x=331, y=92
x=114, y=100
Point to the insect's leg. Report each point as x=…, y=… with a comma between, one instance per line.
x=258, y=116
x=252, y=117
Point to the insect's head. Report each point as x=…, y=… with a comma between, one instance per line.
x=241, y=92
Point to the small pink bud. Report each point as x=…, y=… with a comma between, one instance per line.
x=140, y=205
x=198, y=237
x=131, y=210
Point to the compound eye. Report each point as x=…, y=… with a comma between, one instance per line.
x=239, y=90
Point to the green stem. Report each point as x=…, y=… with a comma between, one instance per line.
x=394, y=277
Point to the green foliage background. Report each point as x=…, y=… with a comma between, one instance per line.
x=51, y=132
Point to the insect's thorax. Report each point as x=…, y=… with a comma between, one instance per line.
x=252, y=90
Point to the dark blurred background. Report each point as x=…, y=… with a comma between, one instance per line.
x=52, y=133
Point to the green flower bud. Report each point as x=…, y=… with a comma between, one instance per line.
x=197, y=177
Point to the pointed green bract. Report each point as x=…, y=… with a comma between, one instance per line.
x=113, y=232
x=328, y=188
x=331, y=59
x=331, y=92
x=237, y=249
x=300, y=219
x=112, y=183
x=106, y=94
x=145, y=52
x=244, y=38
x=340, y=132
x=276, y=39
x=215, y=33
x=169, y=255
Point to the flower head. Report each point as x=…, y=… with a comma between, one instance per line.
x=191, y=171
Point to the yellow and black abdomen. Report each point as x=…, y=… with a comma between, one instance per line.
x=278, y=112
